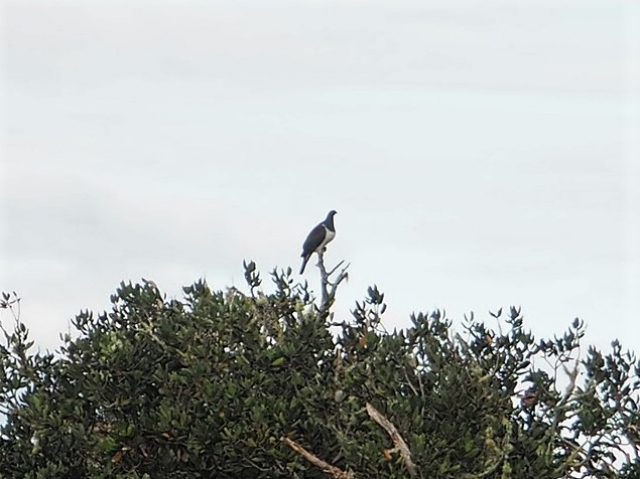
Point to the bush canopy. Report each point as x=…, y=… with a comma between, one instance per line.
x=226, y=384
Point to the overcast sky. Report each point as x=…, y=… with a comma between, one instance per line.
x=479, y=154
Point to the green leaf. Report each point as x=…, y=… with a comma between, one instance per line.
x=278, y=362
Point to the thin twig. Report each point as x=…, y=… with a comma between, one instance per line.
x=316, y=461
x=335, y=268
x=401, y=446
x=406, y=376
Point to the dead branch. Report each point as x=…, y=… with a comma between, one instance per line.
x=316, y=461
x=328, y=288
x=401, y=446
x=335, y=268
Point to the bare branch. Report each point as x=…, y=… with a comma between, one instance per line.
x=316, y=461
x=328, y=288
x=406, y=376
x=395, y=437
x=335, y=268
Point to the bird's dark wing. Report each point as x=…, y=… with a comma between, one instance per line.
x=315, y=239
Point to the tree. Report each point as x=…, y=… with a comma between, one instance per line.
x=225, y=384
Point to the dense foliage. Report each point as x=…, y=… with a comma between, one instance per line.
x=209, y=386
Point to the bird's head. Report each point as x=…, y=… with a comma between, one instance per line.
x=329, y=221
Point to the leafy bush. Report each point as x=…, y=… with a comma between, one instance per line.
x=222, y=384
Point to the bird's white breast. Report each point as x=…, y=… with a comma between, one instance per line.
x=328, y=236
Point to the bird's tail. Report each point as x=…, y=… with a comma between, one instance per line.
x=305, y=260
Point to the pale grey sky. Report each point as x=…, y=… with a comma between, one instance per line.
x=480, y=154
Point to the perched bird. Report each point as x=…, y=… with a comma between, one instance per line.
x=319, y=237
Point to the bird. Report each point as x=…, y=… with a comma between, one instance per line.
x=318, y=239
